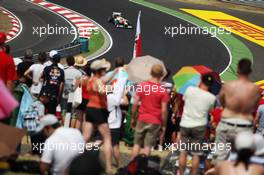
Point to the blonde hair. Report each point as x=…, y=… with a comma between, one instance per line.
x=157, y=71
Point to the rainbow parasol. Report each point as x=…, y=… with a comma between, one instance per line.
x=191, y=76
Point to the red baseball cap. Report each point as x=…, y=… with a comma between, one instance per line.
x=2, y=37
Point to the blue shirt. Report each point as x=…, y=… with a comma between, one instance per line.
x=260, y=111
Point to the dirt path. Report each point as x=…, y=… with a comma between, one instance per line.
x=217, y=3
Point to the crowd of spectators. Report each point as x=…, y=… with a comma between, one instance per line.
x=65, y=135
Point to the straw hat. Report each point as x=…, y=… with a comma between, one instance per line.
x=80, y=61
x=100, y=64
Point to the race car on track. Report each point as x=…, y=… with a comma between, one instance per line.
x=119, y=21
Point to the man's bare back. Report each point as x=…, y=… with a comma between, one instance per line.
x=228, y=168
x=240, y=99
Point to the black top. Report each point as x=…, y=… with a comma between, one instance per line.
x=53, y=76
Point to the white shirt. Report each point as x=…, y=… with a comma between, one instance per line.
x=71, y=75
x=61, y=147
x=36, y=70
x=113, y=102
x=197, y=105
x=48, y=63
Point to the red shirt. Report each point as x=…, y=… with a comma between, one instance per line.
x=7, y=67
x=151, y=95
x=216, y=114
x=96, y=100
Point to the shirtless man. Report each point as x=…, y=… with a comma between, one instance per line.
x=239, y=99
x=241, y=166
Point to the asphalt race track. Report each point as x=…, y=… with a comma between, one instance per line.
x=176, y=52
x=34, y=16
x=253, y=18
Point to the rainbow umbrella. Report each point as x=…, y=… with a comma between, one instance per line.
x=191, y=76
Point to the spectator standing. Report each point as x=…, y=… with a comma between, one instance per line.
x=96, y=112
x=24, y=66
x=60, y=148
x=114, y=100
x=239, y=99
x=152, y=115
x=198, y=102
x=7, y=67
x=72, y=74
x=34, y=73
x=259, y=120
x=50, y=62
x=53, y=84
x=80, y=110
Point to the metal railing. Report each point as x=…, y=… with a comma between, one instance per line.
x=73, y=48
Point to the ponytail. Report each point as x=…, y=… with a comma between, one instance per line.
x=244, y=156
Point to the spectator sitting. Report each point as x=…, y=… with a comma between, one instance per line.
x=258, y=157
x=61, y=147
x=34, y=73
x=86, y=163
x=31, y=120
x=244, y=145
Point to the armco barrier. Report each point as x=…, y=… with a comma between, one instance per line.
x=255, y=3
x=73, y=48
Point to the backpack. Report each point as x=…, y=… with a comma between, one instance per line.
x=141, y=165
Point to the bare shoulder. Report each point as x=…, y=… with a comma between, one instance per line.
x=258, y=169
x=223, y=167
x=230, y=85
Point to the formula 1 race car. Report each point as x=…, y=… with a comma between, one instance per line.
x=119, y=21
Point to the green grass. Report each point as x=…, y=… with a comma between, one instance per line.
x=95, y=43
x=5, y=23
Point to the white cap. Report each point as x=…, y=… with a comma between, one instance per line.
x=52, y=53
x=259, y=144
x=244, y=140
x=47, y=120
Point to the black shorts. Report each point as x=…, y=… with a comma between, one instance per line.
x=176, y=126
x=83, y=105
x=115, y=135
x=96, y=115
